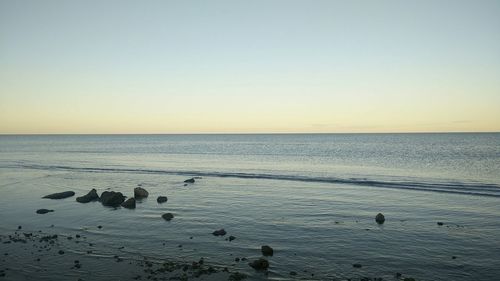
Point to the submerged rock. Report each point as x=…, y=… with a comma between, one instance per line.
x=379, y=218
x=357, y=265
x=220, y=232
x=440, y=223
x=191, y=180
x=129, y=204
x=92, y=195
x=266, y=250
x=112, y=199
x=237, y=276
x=43, y=211
x=140, y=192
x=161, y=199
x=167, y=216
x=260, y=264
x=60, y=195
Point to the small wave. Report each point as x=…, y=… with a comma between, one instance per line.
x=475, y=189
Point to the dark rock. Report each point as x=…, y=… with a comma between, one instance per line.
x=167, y=216
x=231, y=238
x=220, y=232
x=266, y=250
x=43, y=211
x=92, y=195
x=99, y=226
x=380, y=219
x=439, y=223
x=191, y=180
x=140, y=192
x=161, y=199
x=260, y=264
x=293, y=273
x=409, y=279
x=60, y=195
x=129, y=203
x=61, y=252
x=112, y=199
x=357, y=265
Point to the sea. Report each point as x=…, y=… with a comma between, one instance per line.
x=313, y=198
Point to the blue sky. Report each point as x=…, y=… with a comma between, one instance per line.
x=249, y=66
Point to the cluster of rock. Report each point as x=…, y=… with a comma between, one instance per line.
x=108, y=198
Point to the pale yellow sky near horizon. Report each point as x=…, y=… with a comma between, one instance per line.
x=231, y=67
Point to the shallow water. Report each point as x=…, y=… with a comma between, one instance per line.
x=312, y=198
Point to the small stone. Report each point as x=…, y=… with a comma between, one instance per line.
x=167, y=216
x=43, y=211
x=267, y=251
x=357, y=265
x=231, y=238
x=191, y=180
x=161, y=199
x=260, y=264
x=61, y=252
x=440, y=223
x=220, y=232
x=380, y=218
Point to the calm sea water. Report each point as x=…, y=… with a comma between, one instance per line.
x=312, y=197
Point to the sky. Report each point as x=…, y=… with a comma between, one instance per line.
x=234, y=66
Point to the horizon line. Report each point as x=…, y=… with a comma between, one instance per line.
x=243, y=133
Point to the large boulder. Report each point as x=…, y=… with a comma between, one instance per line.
x=266, y=250
x=92, y=195
x=112, y=199
x=379, y=218
x=162, y=199
x=140, y=192
x=60, y=195
x=129, y=204
x=260, y=264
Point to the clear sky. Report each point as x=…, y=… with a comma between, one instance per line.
x=249, y=66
